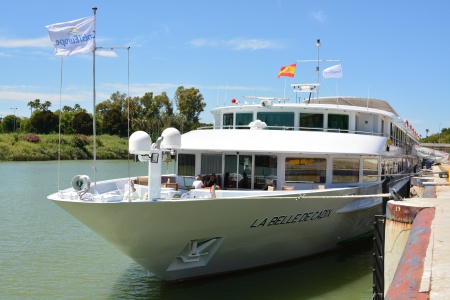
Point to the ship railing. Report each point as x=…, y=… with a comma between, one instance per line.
x=293, y=128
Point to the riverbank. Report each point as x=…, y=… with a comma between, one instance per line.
x=41, y=147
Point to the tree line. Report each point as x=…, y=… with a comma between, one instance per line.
x=115, y=115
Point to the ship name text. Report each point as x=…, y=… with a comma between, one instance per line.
x=288, y=219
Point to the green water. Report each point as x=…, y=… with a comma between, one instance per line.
x=46, y=254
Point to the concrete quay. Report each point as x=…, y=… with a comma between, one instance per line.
x=417, y=241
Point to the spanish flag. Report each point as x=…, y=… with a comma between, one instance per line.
x=287, y=71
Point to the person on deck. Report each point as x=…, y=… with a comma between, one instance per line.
x=244, y=183
x=198, y=183
x=212, y=180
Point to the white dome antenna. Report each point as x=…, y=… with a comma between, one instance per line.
x=140, y=143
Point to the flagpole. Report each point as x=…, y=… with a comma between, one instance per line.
x=93, y=119
x=60, y=115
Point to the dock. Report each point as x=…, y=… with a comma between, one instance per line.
x=417, y=240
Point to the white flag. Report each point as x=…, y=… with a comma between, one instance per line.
x=333, y=72
x=73, y=37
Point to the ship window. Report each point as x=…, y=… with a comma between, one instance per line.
x=243, y=119
x=277, y=119
x=345, y=170
x=227, y=121
x=186, y=164
x=310, y=121
x=339, y=122
x=265, y=171
x=370, y=167
x=211, y=163
x=305, y=170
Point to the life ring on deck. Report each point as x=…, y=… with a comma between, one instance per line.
x=81, y=184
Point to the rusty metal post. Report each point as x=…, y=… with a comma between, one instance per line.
x=378, y=257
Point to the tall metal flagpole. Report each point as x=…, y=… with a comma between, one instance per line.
x=93, y=119
x=59, y=127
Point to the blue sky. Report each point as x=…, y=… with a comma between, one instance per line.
x=392, y=50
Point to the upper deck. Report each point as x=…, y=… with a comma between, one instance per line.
x=332, y=114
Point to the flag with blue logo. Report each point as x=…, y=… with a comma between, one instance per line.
x=73, y=37
x=333, y=72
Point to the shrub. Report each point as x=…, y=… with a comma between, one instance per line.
x=33, y=138
x=81, y=140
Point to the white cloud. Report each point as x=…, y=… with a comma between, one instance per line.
x=238, y=44
x=137, y=41
x=106, y=53
x=42, y=42
x=318, y=16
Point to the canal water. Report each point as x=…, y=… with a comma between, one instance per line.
x=47, y=254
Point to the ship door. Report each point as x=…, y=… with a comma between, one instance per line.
x=245, y=169
x=239, y=169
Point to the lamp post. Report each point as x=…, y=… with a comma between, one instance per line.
x=14, y=108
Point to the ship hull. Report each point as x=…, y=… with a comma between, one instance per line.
x=178, y=239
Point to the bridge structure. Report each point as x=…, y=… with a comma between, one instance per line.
x=437, y=146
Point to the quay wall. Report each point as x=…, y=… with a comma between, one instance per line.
x=405, y=261
x=415, y=236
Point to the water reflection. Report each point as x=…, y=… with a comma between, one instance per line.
x=344, y=274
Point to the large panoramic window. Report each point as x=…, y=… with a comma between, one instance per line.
x=310, y=121
x=339, y=122
x=345, y=170
x=277, y=119
x=243, y=119
x=370, y=167
x=306, y=170
x=186, y=164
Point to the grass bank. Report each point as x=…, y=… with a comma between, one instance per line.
x=33, y=147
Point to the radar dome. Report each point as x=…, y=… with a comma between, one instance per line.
x=139, y=143
x=171, y=139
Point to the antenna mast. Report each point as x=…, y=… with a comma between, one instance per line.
x=317, y=68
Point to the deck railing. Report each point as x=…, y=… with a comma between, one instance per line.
x=292, y=128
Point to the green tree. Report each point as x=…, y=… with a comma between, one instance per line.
x=149, y=112
x=82, y=123
x=26, y=127
x=112, y=113
x=34, y=105
x=46, y=105
x=190, y=104
x=67, y=117
x=10, y=123
x=44, y=121
x=167, y=114
x=37, y=105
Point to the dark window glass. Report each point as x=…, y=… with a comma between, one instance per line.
x=310, y=121
x=186, y=164
x=278, y=119
x=339, y=122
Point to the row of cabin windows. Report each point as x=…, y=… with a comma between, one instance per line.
x=399, y=137
x=397, y=165
x=264, y=170
x=308, y=121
